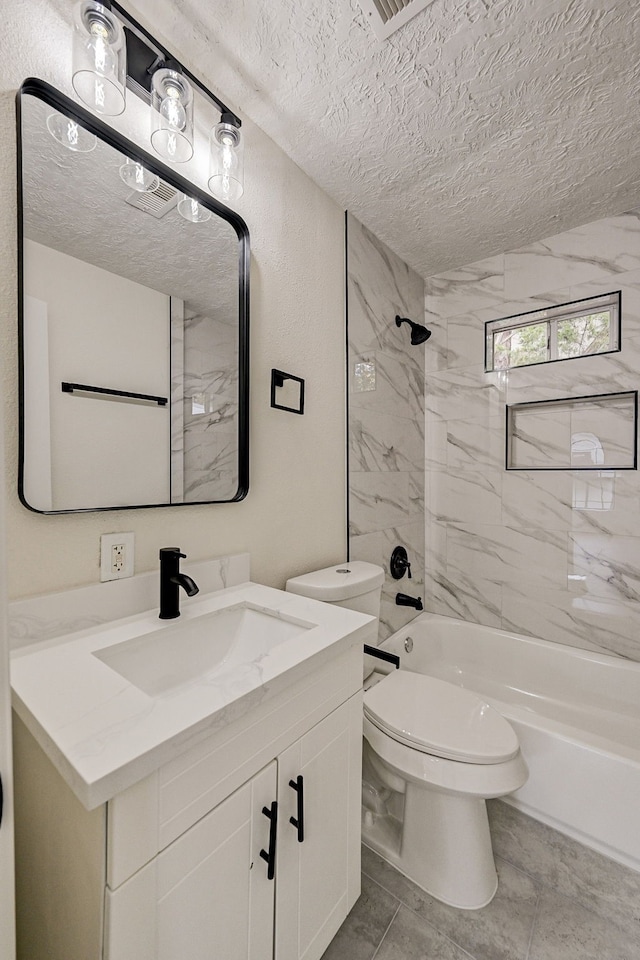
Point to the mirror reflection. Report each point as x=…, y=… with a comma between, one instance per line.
x=132, y=294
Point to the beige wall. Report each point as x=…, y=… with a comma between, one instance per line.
x=294, y=516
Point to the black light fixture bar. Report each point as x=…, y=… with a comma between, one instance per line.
x=107, y=391
x=145, y=54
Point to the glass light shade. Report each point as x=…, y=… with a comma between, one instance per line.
x=226, y=162
x=99, y=58
x=193, y=211
x=137, y=177
x=70, y=134
x=171, y=115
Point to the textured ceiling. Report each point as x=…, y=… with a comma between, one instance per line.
x=479, y=126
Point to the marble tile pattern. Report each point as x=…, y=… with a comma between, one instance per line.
x=53, y=615
x=585, y=909
x=209, y=410
x=386, y=416
x=177, y=400
x=549, y=554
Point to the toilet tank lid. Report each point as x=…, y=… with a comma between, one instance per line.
x=340, y=582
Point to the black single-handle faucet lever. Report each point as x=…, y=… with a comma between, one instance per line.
x=170, y=580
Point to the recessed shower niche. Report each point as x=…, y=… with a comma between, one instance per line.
x=134, y=325
x=574, y=433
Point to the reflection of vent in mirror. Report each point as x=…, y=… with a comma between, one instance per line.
x=157, y=202
x=386, y=16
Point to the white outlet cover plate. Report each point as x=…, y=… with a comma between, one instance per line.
x=107, y=542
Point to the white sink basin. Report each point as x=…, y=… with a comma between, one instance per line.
x=113, y=702
x=166, y=659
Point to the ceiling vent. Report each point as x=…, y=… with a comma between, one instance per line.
x=386, y=16
x=157, y=202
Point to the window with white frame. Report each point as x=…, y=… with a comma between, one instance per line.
x=578, y=329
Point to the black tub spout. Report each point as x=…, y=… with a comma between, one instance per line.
x=403, y=600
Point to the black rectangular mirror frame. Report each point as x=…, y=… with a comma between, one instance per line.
x=54, y=98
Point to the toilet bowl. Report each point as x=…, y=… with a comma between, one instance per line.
x=433, y=753
x=443, y=752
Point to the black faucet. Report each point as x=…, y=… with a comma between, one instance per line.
x=403, y=600
x=170, y=580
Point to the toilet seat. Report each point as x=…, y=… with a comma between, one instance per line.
x=448, y=776
x=440, y=719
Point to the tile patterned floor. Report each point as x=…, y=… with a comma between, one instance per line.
x=526, y=920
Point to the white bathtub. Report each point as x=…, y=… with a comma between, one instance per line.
x=576, y=713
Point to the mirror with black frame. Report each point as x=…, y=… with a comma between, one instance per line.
x=133, y=323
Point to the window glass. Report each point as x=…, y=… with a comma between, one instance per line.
x=520, y=346
x=580, y=336
x=577, y=329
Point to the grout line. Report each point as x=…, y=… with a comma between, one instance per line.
x=429, y=923
x=375, y=952
x=533, y=925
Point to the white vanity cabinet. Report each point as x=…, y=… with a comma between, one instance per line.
x=180, y=852
x=316, y=888
x=209, y=894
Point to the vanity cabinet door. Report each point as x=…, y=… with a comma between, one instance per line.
x=318, y=870
x=207, y=896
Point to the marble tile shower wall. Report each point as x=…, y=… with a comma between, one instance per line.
x=209, y=409
x=549, y=554
x=386, y=416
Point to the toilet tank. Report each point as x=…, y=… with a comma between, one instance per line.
x=356, y=585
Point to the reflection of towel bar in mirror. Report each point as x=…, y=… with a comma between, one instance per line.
x=118, y=394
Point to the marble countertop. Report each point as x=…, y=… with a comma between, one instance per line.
x=104, y=734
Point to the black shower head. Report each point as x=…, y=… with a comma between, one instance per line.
x=418, y=333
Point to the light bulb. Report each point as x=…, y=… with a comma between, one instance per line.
x=104, y=59
x=70, y=134
x=226, y=162
x=171, y=115
x=173, y=112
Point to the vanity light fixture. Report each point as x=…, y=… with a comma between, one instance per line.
x=99, y=58
x=138, y=177
x=111, y=50
x=193, y=211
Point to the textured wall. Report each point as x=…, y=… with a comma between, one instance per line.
x=520, y=550
x=386, y=416
x=294, y=517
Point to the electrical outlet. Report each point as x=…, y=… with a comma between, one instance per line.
x=116, y=556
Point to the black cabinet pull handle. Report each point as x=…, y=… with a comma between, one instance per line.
x=270, y=857
x=298, y=822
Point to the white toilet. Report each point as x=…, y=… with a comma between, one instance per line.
x=433, y=753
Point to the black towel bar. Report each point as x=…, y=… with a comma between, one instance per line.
x=106, y=391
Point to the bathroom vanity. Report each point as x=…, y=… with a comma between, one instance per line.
x=217, y=816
